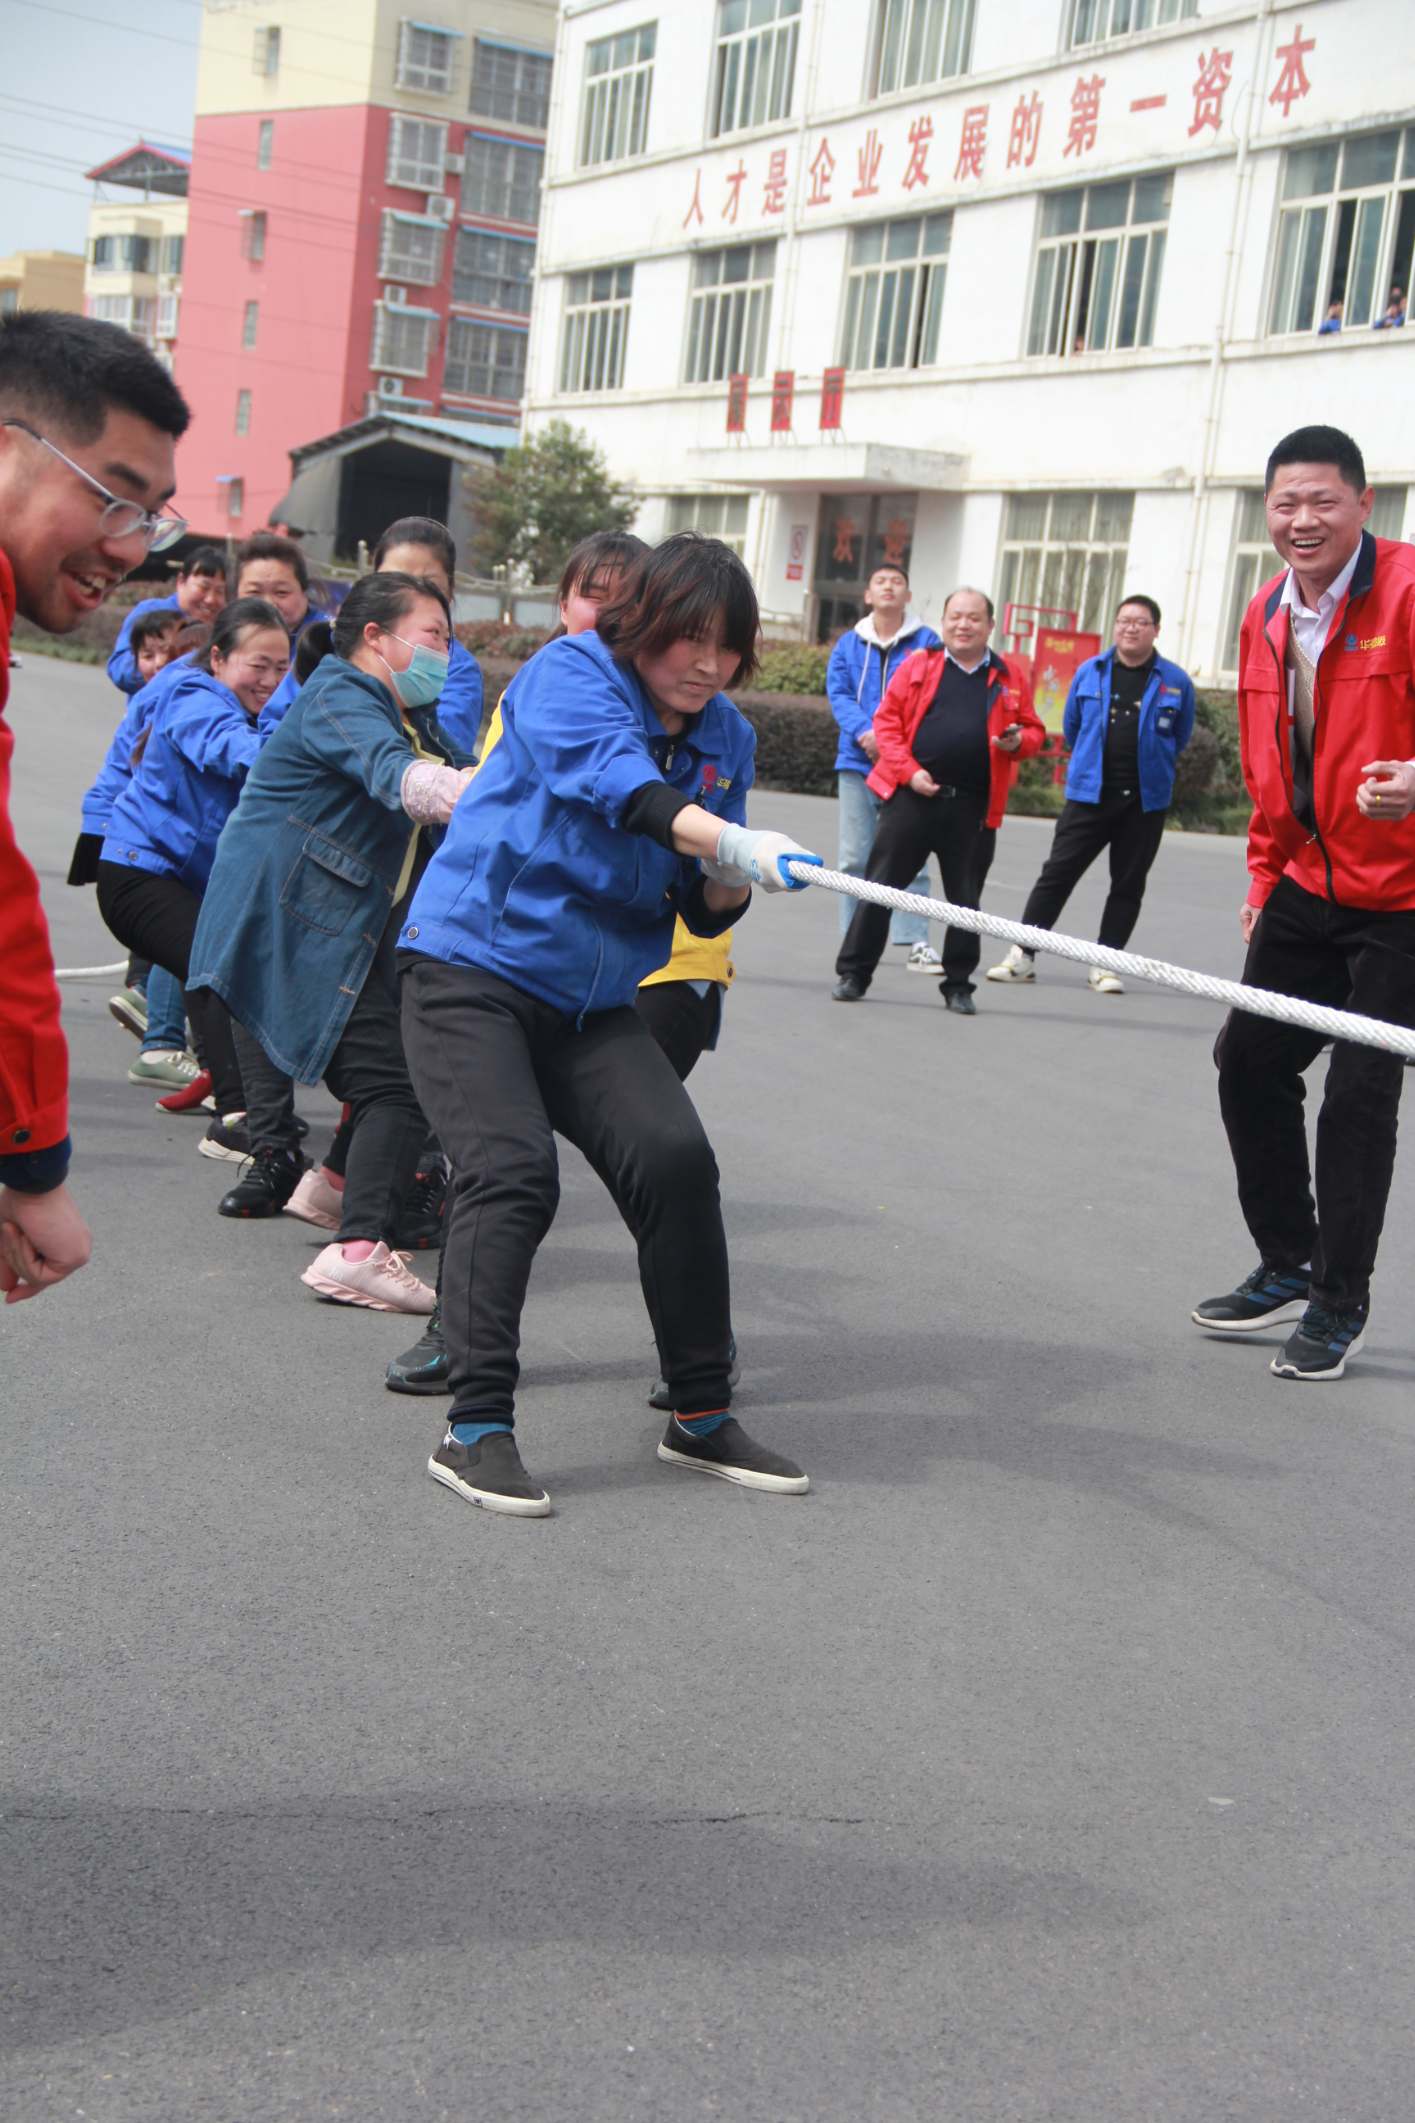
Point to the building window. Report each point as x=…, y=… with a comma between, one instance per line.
x=411, y=249
x=1254, y=562
x=493, y=272
x=614, y=112
x=136, y=313
x=252, y=235
x=1099, y=259
x=596, y=328
x=511, y=83
x=919, y=41
x=1068, y=553
x=1092, y=21
x=500, y=181
x=172, y=250
x=1346, y=230
x=721, y=516
x=124, y=254
x=425, y=58
x=167, y=316
x=402, y=339
x=250, y=323
x=754, y=66
x=894, y=293
x=729, y=312
x=485, y=360
x=243, y=412
x=857, y=534
x=265, y=144
x=417, y=153
x=235, y=498
x=265, y=55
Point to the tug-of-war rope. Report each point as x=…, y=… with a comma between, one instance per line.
x=1259, y=1002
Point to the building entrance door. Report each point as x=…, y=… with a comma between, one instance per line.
x=858, y=533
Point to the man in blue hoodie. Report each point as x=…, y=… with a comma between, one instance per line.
x=861, y=666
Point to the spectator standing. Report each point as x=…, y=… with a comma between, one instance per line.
x=1392, y=318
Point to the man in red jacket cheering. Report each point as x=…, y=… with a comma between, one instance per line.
x=1326, y=703
x=88, y=420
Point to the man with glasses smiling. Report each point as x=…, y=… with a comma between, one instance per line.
x=88, y=423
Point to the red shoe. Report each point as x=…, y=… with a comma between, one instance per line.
x=190, y=1098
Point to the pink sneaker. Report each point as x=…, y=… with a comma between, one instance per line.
x=383, y=1281
x=314, y=1201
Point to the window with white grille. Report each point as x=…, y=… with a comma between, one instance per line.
x=1099, y=258
x=919, y=41
x=243, y=412
x=894, y=292
x=425, y=58
x=265, y=144
x=721, y=516
x=485, y=360
x=250, y=323
x=510, y=83
x=172, y=250
x=754, y=64
x=596, y=328
x=493, y=272
x=235, y=498
x=614, y=109
x=402, y=339
x=729, y=311
x=501, y=181
x=411, y=249
x=253, y=237
x=417, y=153
x=1094, y=20
x=265, y=52
x=125, y=254
x=167, y=306
x=1067, y=552
x=1345, y=231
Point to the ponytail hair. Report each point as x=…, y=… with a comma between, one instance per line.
x=239, y=618
x=380, y=601
x=418, y=530
x=313, y=646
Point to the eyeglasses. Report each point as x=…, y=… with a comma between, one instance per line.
x=120, y=519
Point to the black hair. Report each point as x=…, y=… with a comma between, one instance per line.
x=204, y=560
x=380, y=600
x=273, y=545
x=313, y=646
x=238, y=619
x=896, y=567
x=69, y=372
x=418, y=530
x=597, y=561
x=149, y=625
x=1138, y=597
x=679, y=592
x=1319, y=445
x=969, y=589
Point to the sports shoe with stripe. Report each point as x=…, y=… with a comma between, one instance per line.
x=1265, y=1298
x=730, y=1454
x=1322, y=1343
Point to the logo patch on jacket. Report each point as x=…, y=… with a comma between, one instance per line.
x=1373, y=641
x=1350, y=642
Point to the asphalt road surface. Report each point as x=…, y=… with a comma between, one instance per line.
x=1051, y=1759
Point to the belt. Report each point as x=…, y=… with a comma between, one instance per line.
x=948, y=788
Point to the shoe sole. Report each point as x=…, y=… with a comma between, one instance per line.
x=1315, y=1378
x=320, y=1221
x=511, y=1507
x=1096, y=988
x=128, y=1019
x=424, y=1387
x=1011, y=980
x=744, y=1477
x=1283, y=1314
x=154, y=1076
x=936, y=968
x=334, y=1293
x=228, y=1157
x=198, y=1105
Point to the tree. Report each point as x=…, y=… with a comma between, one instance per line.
x=541, y=500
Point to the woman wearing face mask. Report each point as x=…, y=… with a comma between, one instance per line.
x=297, y=931
x=162, y=836
x=419, y=545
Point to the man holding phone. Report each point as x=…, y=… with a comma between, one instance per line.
x=1129, y=715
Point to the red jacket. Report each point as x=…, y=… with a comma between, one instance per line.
x=1365, y=710
x=909, y=694
x=34, y=1061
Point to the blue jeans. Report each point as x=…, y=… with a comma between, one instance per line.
x=166, y=1015
x=859, y=815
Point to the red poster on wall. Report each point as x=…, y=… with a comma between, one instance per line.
x=783, y=391
x=1056, y=658
x=832, y=397
x=737, y=404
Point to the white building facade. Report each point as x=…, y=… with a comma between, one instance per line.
x=1019, y=291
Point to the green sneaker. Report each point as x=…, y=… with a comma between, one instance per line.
x=173, y=1070
x=129, y=1009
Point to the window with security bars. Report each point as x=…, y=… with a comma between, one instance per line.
x=754, y=63
x=919, y=41
x=265, y=144
x=1092, y=21
x=1099, y=259
x=417, y=153
x=124, y=254
x=721, y=516
x=729, y=312
x=136, y=313
x=493, y=272
x=235, y=498
x=510, y=83
x=167, y=309
x=243, y=412
x=402, y=339
x=1068, y=552
x=1254, y=561
x=173, y=248
x=501, y=181
x=614, y=108
x=411, y=249
x=425, y=58
x=1345, y=231
x=894, y=293
x=250, y=323
x=596, y=328
x=485, y=360
x=253, y=230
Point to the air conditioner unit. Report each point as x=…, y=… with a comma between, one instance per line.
x=441, y=207
x=454, y=165
x=390, y=386
x=395, y=297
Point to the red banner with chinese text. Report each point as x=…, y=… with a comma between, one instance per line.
x=783, y=393
x=737, y=404
x=832, y=397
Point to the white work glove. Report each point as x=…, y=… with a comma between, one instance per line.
x=748, y=858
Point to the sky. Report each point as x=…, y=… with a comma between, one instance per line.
x=82, y=80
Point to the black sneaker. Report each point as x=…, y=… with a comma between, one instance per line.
x=735, y=1457
x=420, y=1218
x=1322, y=1343
x=227, y=1138
x=267, y=1183
x=958, y=1000
x=848, y=990
x=1265, y=1298
x=661, y=1395
x=489, y=1473
x=424, y=1367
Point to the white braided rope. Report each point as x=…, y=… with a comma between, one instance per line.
x=90, y=972
x=1259, y=1002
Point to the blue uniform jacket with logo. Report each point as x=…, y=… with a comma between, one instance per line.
x=169, y=818
x=117, y=769
x=1166, y=725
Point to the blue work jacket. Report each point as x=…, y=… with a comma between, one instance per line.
x=459, y=707
x=307, y=869
x=123, y=663
x=169, y=817
x=536, y=879
x=117, y=769
x=1166, y=726
x=857, y=677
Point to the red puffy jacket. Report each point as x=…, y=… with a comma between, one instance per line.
x=906, y=700
x=34, y=1061
x=1365, y=710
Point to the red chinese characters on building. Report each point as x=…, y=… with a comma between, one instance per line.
x=735, y=181
x=1024, y=136
x=1085, y=115
x=868, y=160
x=1292, y=83
x=737, y=405
x=832, y=397
x=921, y=132
x=972, y=141
x=783, y=393
x=1214, y=78
x=846, y=534
x=695, y=211
x=774, y=190
x=822, y=169
x=894, y=542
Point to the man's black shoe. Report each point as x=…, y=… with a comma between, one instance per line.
x=959, y=1001
x=420, y=1218
x=1322, y=1343
x=730, y=1454
x=489, y=1473
x=424, y=1367
x=270, y=1178
x=1265, y=1298
x=661, y=1395
x=848, y=990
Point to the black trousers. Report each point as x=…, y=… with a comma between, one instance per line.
x=1355, y=960
x=500, y=1075
x=156, y=917
x=368, y=1073
x=910, y=828
x=1083, y=829
x=684, y=1023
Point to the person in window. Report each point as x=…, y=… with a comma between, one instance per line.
x=1392, y=318
x=1331, y=322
